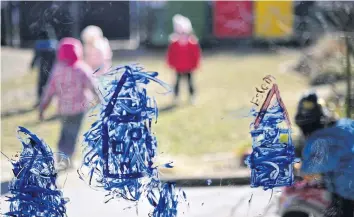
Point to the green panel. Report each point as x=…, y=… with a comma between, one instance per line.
x=158, y=33
x=196, y=11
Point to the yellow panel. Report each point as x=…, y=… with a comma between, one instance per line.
x=273, y=19
x=284, y=138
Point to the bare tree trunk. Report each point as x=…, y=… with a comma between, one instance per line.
x=349, y=78
x=74, y=11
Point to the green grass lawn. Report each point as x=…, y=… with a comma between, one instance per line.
x=225, y=85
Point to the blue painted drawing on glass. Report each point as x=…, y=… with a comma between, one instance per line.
x=273, y=154
x=34, y=190
x=120, y=147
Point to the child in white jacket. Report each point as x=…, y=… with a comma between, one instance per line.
x=97, y=51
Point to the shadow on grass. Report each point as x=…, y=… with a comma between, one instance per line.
x=172, y=107
x=38, y=122
x=168, y=108
x=15, y=112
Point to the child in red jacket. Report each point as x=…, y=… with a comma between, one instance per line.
x=183, y=53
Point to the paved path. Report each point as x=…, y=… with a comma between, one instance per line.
x=203, y=202
x=208, y=201
x=220, y=173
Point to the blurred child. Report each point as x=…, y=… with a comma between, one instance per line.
x=183, y=53
x=97, y=52
x=69, y=80
x=44, y=58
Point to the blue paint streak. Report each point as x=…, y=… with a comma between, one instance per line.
x=120, y=148
x=34, y=191
x=272, y=160
x=209, y=182
x=166, y=205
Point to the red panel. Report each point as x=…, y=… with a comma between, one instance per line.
x=233, y=19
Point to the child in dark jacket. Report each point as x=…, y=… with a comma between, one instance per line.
x=183, y=53
x=44, y=58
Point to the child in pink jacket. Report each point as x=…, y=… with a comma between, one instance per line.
x=97, y=51
x=69, y=82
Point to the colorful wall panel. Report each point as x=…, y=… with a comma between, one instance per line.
x=232, y=19
x=273, y=19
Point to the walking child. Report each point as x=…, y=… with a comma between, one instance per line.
x=44, y=58
x=69, y=82
x=97, y=52
x=183, y=54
